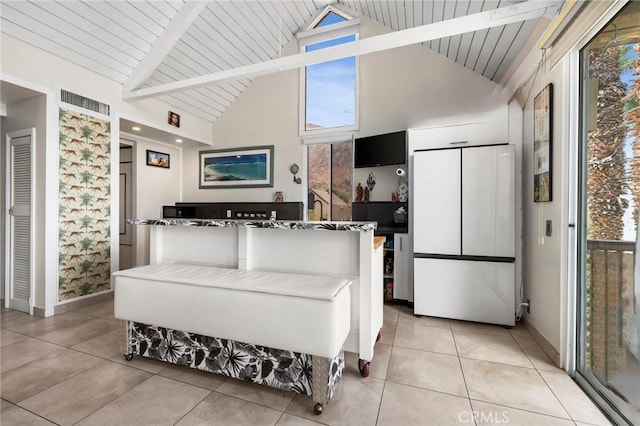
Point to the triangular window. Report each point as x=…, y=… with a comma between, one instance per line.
x=330, y=18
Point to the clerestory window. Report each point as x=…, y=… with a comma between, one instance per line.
x=328, y=95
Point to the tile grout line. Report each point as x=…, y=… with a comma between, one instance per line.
x=464, y=379
x=35, y=414
x=109, y=402
x=192, y=408
x=563, y=405
x=384, y=385
x=527, y=410
x=426, y=389
x=556, y=396
x=465, y=357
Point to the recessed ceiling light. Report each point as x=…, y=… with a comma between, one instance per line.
x=136, y=128
x=179, y=140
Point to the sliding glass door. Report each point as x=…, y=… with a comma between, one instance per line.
x=329, y=174
x=608, y=361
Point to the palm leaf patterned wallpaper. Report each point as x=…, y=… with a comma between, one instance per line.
x=85, y=200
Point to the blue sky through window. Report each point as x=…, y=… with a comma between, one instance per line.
x=329, y=19
x=330, y=86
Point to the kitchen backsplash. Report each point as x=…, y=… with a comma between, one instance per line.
x=381, y=212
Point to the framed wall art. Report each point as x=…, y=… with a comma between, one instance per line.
x=250, y=167
x=157, y=159
x=542, y=144
x=173, y=119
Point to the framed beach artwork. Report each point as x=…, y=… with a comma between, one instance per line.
x=542, y=144
x=250, y=167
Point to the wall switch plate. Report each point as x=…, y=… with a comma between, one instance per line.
x=548, y=228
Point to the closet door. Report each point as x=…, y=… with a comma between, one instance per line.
x=19, y=244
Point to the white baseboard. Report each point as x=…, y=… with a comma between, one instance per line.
x=76, y=304
x=540, y=339
x=81, y=303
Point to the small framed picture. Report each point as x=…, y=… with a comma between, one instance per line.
x=174, y=119
x=157, y=159
x=279, y=198
x=542, y=145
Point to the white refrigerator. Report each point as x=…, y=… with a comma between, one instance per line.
x=464, y=233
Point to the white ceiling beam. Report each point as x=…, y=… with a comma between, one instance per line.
x=180, y=23
x=478, y=21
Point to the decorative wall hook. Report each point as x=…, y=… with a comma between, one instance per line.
x=294, y=170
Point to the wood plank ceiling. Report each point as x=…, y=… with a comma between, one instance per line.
x=112, y=37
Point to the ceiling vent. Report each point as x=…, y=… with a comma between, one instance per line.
x=84, y=102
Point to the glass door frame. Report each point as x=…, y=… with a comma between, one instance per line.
x=576, y=315
x=337, y=138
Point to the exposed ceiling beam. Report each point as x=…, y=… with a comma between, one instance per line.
x=560, y=22
x=180, y=23
x=475, y=22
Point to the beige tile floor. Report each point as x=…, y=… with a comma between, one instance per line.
x=68, y=370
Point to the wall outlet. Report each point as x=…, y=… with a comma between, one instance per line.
x=528, y=306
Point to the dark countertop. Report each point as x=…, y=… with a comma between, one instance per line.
x=392, y=228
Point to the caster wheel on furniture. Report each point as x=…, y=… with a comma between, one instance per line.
x=318, y=409
x=128, y=357
x=379, y=336
x=364, y=367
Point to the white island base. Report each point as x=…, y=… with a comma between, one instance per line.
x=334, y=249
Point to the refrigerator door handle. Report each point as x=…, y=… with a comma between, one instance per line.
x=400, y=238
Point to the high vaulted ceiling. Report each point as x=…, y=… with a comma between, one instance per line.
x=144, y=44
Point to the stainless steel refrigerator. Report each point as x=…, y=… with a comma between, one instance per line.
x=464, y=233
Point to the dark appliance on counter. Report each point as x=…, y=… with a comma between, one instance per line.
x=178, y=212
x=380, y=150
x=244, y=211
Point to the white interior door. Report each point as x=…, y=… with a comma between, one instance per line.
x=19, y=261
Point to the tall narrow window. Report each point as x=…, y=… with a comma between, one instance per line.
x=329, y=181
x=328, y=89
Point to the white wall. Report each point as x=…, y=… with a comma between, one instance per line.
x=546, y=259
x=399, y=89
x=21, y=115
x=154, y=187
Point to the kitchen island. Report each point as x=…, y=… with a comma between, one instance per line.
x=336, y=249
